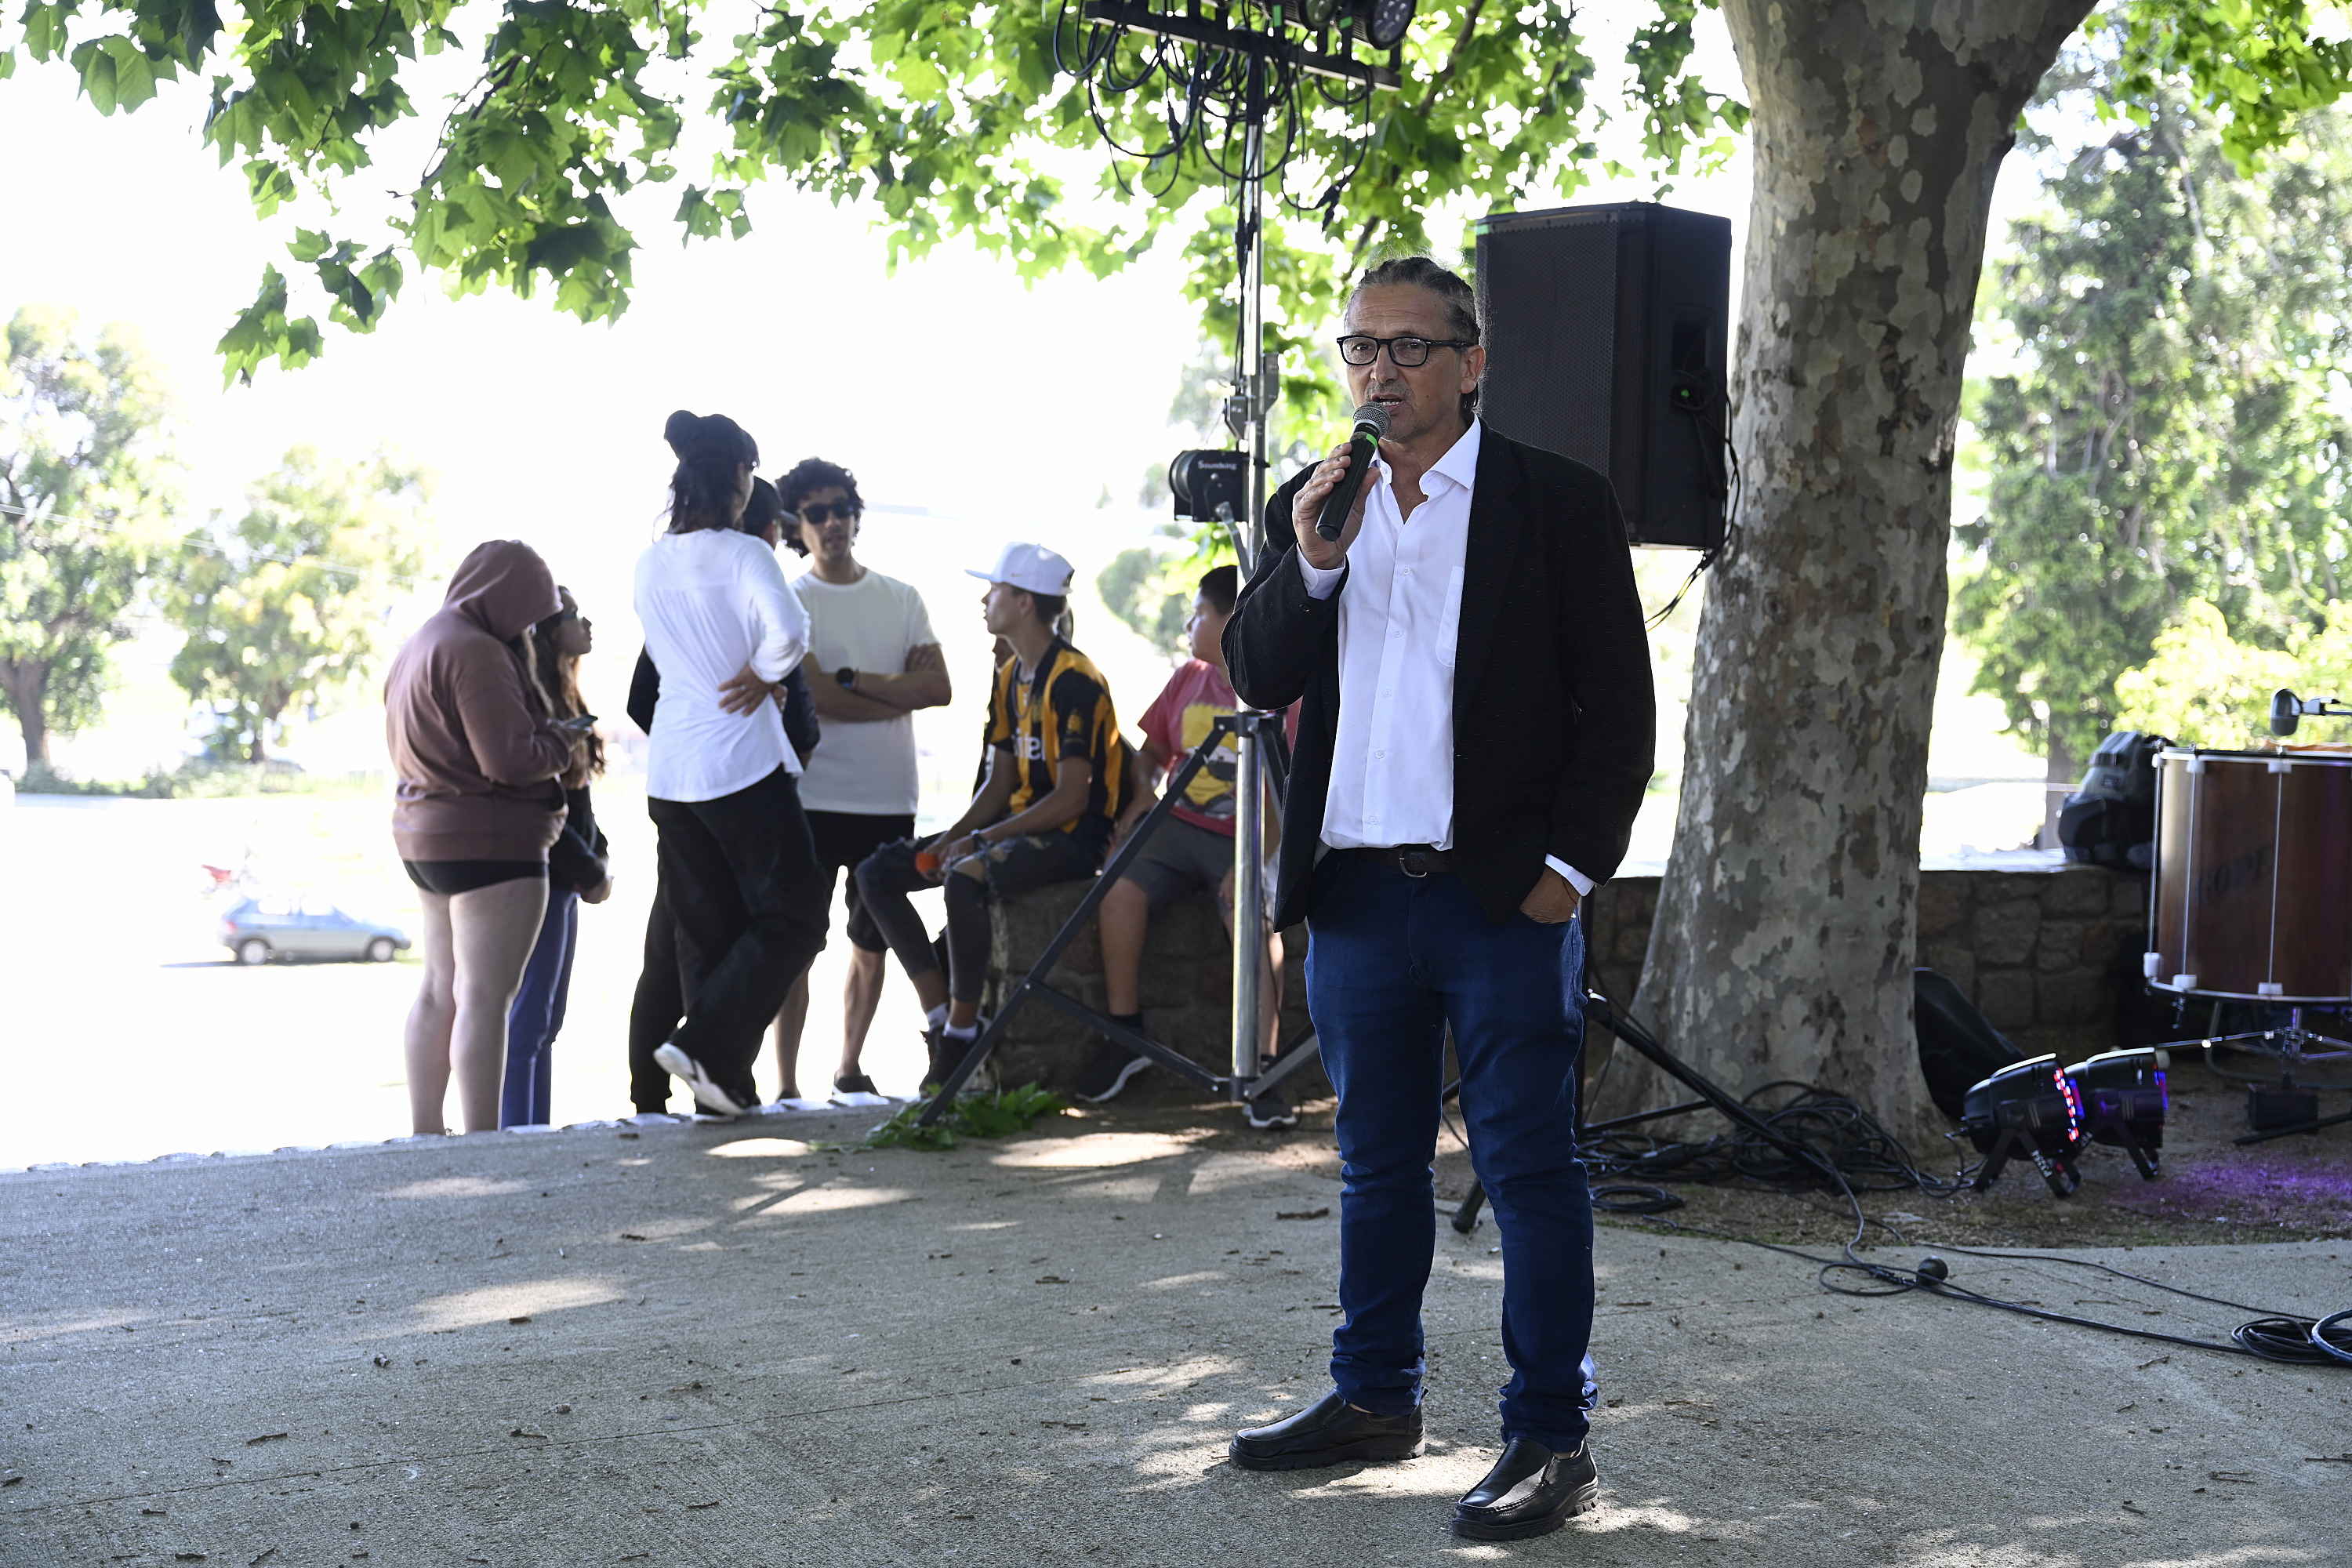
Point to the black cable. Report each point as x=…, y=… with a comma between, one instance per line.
x=1834, y=1136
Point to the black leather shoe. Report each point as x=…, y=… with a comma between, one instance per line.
x=1530, y=1491
x=1328, y=1432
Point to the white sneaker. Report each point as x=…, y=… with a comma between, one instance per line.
x=713, y=1100
x=780, y=1106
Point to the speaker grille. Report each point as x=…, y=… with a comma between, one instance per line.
x=1605, y=328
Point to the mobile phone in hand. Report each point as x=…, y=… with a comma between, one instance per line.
x=581, y=724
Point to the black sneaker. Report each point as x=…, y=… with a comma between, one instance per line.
x=946, y=1053
x=857, y=1089
x=1109, y=1072
x=1271, y=1112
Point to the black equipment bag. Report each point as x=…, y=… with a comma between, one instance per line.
x=2110, y=820
x=1958, y=1049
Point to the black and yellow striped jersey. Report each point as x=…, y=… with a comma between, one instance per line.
x=1063, y=710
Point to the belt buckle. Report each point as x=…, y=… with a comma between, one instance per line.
x=1405, y=858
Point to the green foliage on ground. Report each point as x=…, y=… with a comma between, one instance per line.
x=86, y=490
x=999, y=1114
x=290, y=603
x=2176, y=435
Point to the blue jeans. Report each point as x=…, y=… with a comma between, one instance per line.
x=536, y=1015
x=1392, y=960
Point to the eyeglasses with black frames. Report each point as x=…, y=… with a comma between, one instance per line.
x=816, y=511
x=1405, y=353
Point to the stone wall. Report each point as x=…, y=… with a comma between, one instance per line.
x=2052, y=958
x=1188, y=980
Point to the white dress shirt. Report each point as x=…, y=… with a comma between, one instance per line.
x=1400, y=630
x=712, y=602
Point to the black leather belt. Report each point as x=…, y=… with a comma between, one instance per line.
x=1412, y=859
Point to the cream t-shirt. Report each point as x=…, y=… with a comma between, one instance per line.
x=870, y=624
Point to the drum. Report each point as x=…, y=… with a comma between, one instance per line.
x=2253, y=875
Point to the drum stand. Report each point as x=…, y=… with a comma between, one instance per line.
x=2290, y=1055
x=1262, y=757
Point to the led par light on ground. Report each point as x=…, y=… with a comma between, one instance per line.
x=2124, y=1101
x=2030, y=1108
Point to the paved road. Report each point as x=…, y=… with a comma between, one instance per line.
x=687, y=1344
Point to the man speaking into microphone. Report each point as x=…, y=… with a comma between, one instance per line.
x=1474, y=739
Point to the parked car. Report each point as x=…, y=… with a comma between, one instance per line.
x=304, y=926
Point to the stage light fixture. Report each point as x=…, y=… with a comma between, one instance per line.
x=1385, y=21
x=2030, y=1108
x=2123, y=1102
x=1208, y=486
x=1314, y=15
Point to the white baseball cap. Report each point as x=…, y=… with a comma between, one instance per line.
x=1032, y=568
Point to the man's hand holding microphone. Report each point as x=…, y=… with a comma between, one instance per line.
x=1329, y=511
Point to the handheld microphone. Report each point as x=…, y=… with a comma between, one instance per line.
x=1363, y=444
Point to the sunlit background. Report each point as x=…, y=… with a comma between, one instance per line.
x=974, y=409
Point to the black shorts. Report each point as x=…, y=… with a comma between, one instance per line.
x=450, y=877
x=843, y=839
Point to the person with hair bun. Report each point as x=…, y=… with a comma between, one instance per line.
x=659, y=1001
x=739, y=873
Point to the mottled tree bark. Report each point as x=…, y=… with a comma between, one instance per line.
x=1785, y=928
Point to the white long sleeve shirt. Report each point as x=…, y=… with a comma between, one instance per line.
x=712, y=602
x=1400, y=630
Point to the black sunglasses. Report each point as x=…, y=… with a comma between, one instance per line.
x=817, y=511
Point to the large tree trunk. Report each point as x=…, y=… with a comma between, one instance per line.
x=1785, y=928
x=27, y=685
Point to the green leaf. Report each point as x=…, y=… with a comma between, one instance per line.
x=997, y=1115
x=96, y=68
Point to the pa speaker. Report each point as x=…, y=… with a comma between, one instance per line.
x=1606, y=332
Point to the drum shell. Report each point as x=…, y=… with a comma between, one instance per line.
x=2254, y=885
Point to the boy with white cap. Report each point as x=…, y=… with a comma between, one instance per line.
x=1045, y=810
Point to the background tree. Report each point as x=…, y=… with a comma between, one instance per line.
x=86, y=481
x=294, y=600
x=945, y=116
x=2203, y=688
x=2173, y=433
x=1785, y=927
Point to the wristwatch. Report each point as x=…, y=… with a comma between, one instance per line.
x=846, y=678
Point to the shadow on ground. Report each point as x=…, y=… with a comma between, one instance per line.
x=713, y=1344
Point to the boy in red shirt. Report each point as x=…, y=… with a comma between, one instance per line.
x=1193, y=847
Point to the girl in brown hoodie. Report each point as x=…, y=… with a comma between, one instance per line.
x=477, y=804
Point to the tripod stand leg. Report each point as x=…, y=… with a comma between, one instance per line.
x=1989, y=1172
x=1465, y=1217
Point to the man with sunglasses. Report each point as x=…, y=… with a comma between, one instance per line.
x=872, y=661
x=1473, y=741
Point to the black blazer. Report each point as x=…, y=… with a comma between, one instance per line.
x=1554, y=719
